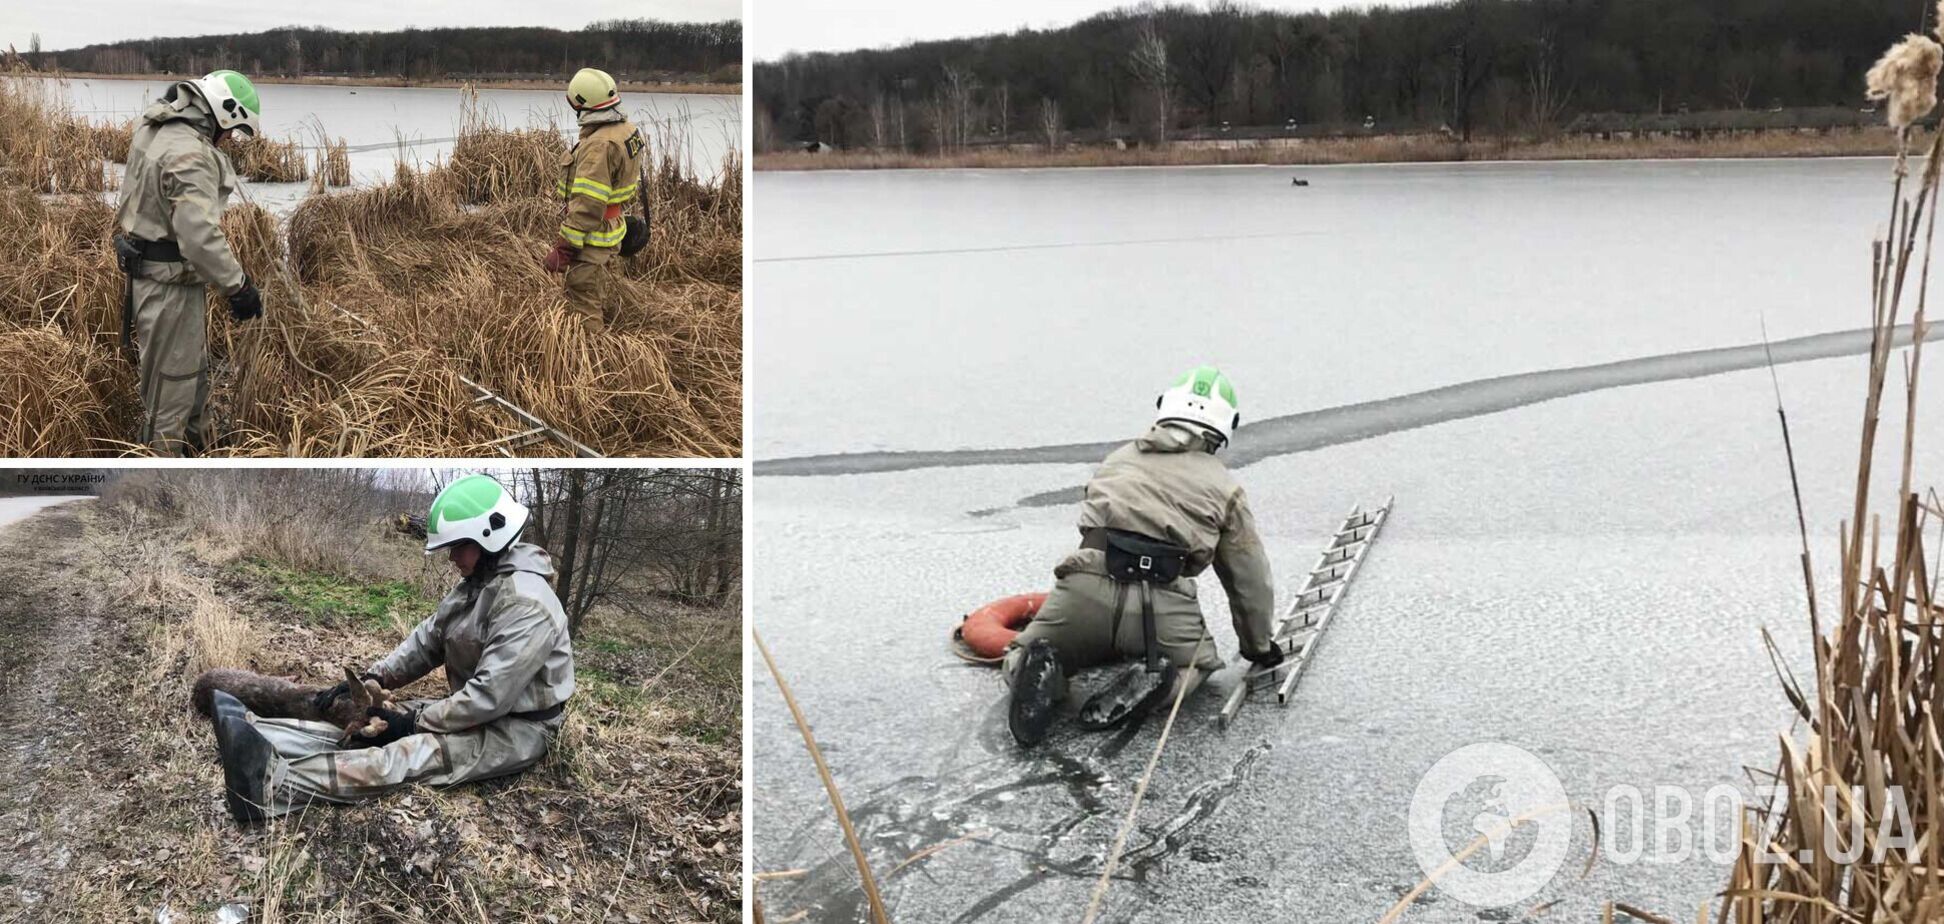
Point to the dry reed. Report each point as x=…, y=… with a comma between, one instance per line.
x=1872, y=713
x=388, y=295
x=333, y=165
x=267, y=161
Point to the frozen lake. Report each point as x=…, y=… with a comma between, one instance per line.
x=1008, y=283
x=1585, y=577
x=381, y=124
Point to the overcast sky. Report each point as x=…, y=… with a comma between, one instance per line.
x=74, y=25
x=777, y=27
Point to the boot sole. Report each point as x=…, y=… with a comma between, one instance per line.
x=1030, y=716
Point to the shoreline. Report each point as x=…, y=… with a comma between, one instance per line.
x=403, y=83
x=1399, y=149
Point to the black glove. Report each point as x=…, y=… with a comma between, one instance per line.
x=246, y=303
x=1267, y=659
x=322, y=699
x=397, y=725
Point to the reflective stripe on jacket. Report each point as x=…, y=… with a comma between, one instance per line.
x=597, y=177
x=503, y=643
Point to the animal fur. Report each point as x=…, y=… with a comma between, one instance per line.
x=278, y=698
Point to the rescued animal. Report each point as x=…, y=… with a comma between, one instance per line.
x=276, y=697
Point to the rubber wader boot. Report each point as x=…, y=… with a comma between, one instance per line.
x=246, y=759
x=1036, y=693
x=224, y=706
x=1135, y=693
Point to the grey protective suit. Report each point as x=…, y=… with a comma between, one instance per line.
x=504, y=646
x=175, y=190
x=1165, y=486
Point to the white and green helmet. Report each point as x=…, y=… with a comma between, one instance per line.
x=233, y=98
x=477, y=508
x=1204, y=397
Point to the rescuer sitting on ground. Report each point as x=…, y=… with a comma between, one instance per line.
x=501, y=635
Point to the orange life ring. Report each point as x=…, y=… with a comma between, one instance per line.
x=985, y=632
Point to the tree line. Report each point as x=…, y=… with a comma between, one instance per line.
x=629, y=538
x=638, y=49
x=1463, y=66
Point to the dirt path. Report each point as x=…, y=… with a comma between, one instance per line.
x=48, y=624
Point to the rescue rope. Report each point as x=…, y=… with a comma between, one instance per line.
x=1188, y=679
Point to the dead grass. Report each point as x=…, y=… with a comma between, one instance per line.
x=45, y=147
x=391, y=295
x=266, y=160
x=635, y=815
x=56, y=395
x=1872, y=726
x=333, y=168
x=1372, y=150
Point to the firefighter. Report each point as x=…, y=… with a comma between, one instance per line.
x=597, y=177
x=171, y=246
x=501, y=636
x=1159, y=511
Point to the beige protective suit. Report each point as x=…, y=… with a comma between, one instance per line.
x=505, y=650
x=175, y=189
x=599, y=175
x=1164, y=486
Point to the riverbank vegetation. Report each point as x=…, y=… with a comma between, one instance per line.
x=644, y=53
x=1251, y=84
x=116, y=814
x=1852, y=830
x=388, y=308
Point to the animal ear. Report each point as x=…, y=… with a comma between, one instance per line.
x=357, y=685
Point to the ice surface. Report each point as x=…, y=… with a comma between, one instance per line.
x=1586, y=578
x=1370, y=283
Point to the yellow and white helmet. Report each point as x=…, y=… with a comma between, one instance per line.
x=592, y=88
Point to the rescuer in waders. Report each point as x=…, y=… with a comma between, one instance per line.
x=597, y=178
x=1159, y=511
x=171, y=246
x=501, y=636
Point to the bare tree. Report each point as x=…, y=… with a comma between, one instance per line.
x=959, y=85
x=877, y=120
x=1049, y=122
x=1546, y=98
x=1149, y=62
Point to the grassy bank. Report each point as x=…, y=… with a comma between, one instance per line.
x=634, y=816
x=1375, y=150
x=322, y=80
x=378, y=301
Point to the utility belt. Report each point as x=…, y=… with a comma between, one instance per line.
x=1141, y=561
x=541, y=715
x=130, y=254
x=1134, y=557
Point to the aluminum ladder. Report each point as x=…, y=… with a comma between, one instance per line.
x=1302, y=625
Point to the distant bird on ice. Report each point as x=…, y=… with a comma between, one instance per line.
x=1298, y=181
